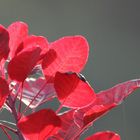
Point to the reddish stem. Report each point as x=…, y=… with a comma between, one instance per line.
x=60, y=107
x=6, y=133
x=19, y=108
x=16, y=117
x=9, y=128
x=34, y=98
x=18, y=90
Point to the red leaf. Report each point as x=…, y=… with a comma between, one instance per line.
x=4, y=91
x=94, y=113
x=72, y=91
x=69, y=130
x=39, y=125
x=4, y=43
x=71, y=55
x=75, y=122
x=105, y=101
x=17, y=31
x=22, y=64
x=32, y=41
x=117, y=93
x=106, y=135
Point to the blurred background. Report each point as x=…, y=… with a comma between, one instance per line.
x=112, y=28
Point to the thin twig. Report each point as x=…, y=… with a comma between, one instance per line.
x=20, y=102
x=17, y=92
x=34, y=98
x=58, y=110
x=6, y=133
x=16, y=117
x=8, y=127
x=3, y=121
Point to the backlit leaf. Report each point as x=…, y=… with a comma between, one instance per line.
x=39, y=125
x=106, y=135
x=105, y=101
x=72, y=91
x=17, y=31
x=117, y=93
x=22, y=64
x=4, y=43
x=71, y=54
x=32, y=41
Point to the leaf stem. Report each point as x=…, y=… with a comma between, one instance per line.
x=9, y=128
x=6, y=133
x=20, y=102
x=34, y=98
x=16, y=116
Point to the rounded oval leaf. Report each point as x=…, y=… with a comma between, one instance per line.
x=72, y=91
x=22, y=64
x=106, y=135
x=71, y=55
x=17, y=31
x=39, y=125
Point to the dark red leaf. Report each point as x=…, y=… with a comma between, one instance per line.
x=4, y=91
x=39, y=125
x=72, y=91
x=106, y=135
x=4, y=43
x=94, y=113
x=71, y=55
x=17, y=31
x=22, y=64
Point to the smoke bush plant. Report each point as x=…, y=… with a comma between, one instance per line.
x=34, y=71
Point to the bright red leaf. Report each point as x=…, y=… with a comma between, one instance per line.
x=69, y=129
x=4, y=91
x=22, y=64
x=85, y=117
x=105, y=101
x=74, y=123
x=4, y=43
x=39, y=125
x=72, y=91
x=95, y=112
x=32, y=41
x=68, y=54
x=71, y=55
x=17, y=31
x=106, y=135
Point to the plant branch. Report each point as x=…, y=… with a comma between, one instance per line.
x=16, y=116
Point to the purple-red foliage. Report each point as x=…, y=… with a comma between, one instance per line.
x=35, y=71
